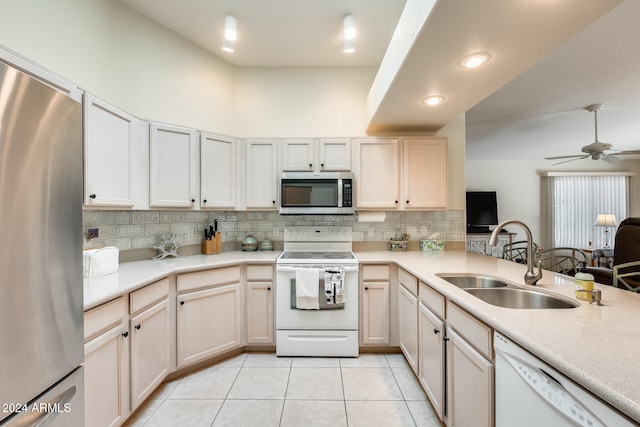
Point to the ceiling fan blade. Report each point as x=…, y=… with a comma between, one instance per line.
x=571, y=160
x=611, y=158
x=627, y=152
x=575, y=156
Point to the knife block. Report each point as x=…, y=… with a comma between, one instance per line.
x=213, y=246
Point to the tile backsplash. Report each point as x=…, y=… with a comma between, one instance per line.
x=130, y=230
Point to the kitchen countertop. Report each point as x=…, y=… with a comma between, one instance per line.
x=596, y=346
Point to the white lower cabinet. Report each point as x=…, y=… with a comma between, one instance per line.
x=260, y=304
x=209, y=320
x=408, y=317
x=431, y=332
x=470, y=371
x=149, y=350
x=375, y=307
x=106, y=365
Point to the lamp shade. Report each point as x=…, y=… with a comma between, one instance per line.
x=606, y=220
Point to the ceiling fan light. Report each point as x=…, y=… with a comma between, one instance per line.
x=433, y=100
x=348, y=46
x=474, y=60
x=230, y=28
x=228, y=46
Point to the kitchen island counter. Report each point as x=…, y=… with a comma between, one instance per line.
x=596, y=346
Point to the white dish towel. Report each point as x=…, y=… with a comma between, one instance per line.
x=307, y=288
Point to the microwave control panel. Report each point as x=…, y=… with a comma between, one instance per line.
x=347, y=193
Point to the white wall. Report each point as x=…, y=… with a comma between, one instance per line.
x=518, y=186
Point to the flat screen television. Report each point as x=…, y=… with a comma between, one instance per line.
x=482, y=211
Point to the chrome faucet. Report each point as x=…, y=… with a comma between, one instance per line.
x=530, y=278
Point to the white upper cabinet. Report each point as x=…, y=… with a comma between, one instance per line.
x=173, y=153
x=335, y=154
x=109, y=151
x=262, y=174
x=217, y=172
x=309, y=155
x=424, y=173
x=377, y=173
x=298, y=154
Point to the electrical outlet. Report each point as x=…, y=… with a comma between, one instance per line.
x=276, y=231
x=370, y=231
x=93, y=233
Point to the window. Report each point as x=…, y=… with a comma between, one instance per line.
x=574, y=202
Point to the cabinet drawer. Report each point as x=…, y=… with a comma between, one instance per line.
x=149, y=295
x=209, y=278
x=475, y=332
x=259, y=273
x=431, y=299
x=408, y=281
x=375, y=272
x=104, y=317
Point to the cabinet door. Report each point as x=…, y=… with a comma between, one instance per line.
x=217, y=172
x=298, y=154
x=106, y=378
x=262, y=174
x=375, y=313
x=425, y=173
x=335, y=154
x=432, y=368
x=260, y=313
x=377, y=173
x=109, y=151
x=408, y=326
x=209, y=322
x=149, y=350
x=469, y=384
x=173, y=163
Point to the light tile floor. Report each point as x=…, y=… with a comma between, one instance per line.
x=255, y=389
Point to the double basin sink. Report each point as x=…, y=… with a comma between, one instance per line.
x=503, y=294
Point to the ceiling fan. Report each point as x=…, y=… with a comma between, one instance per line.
x=596, y=150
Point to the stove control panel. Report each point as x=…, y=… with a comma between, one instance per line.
x=317, y=234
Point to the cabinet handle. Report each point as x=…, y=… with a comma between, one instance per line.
x=181, y=302
x=436, y=331
x=137, y=327
x=366, y=288
x=126, y=334
x=92, y=196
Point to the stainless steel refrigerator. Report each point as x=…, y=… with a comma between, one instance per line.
x=41, y=313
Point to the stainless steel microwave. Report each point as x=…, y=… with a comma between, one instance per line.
x=319, y=193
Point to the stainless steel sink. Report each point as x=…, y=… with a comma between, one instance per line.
x=521, y=298
x=498, y=292
x=473, y=281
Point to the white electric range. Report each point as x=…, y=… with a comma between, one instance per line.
x=317, y=293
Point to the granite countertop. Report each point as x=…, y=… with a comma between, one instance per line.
x=594, y=345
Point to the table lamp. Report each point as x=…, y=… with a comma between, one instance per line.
x=606, y=221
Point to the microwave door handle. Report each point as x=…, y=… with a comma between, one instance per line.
x=340, y=192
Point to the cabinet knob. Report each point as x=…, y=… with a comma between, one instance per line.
x=126, y=334
x=396, y=202
x=436, y=331
x=268, y=289
x=322, y=164
x=92, y=196
x=445, y=339
x=193, y=200
x=366, y=288
x=310, y=165
x=407, y=202
x=137, y=327
x=181, y=302
x=204, y=201
x=273, y=201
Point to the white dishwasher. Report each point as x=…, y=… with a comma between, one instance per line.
x=530, y=393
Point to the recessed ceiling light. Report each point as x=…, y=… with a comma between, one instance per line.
x=433, y=100
x=474, y=60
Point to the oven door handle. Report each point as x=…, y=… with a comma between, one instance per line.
x=288, y=268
